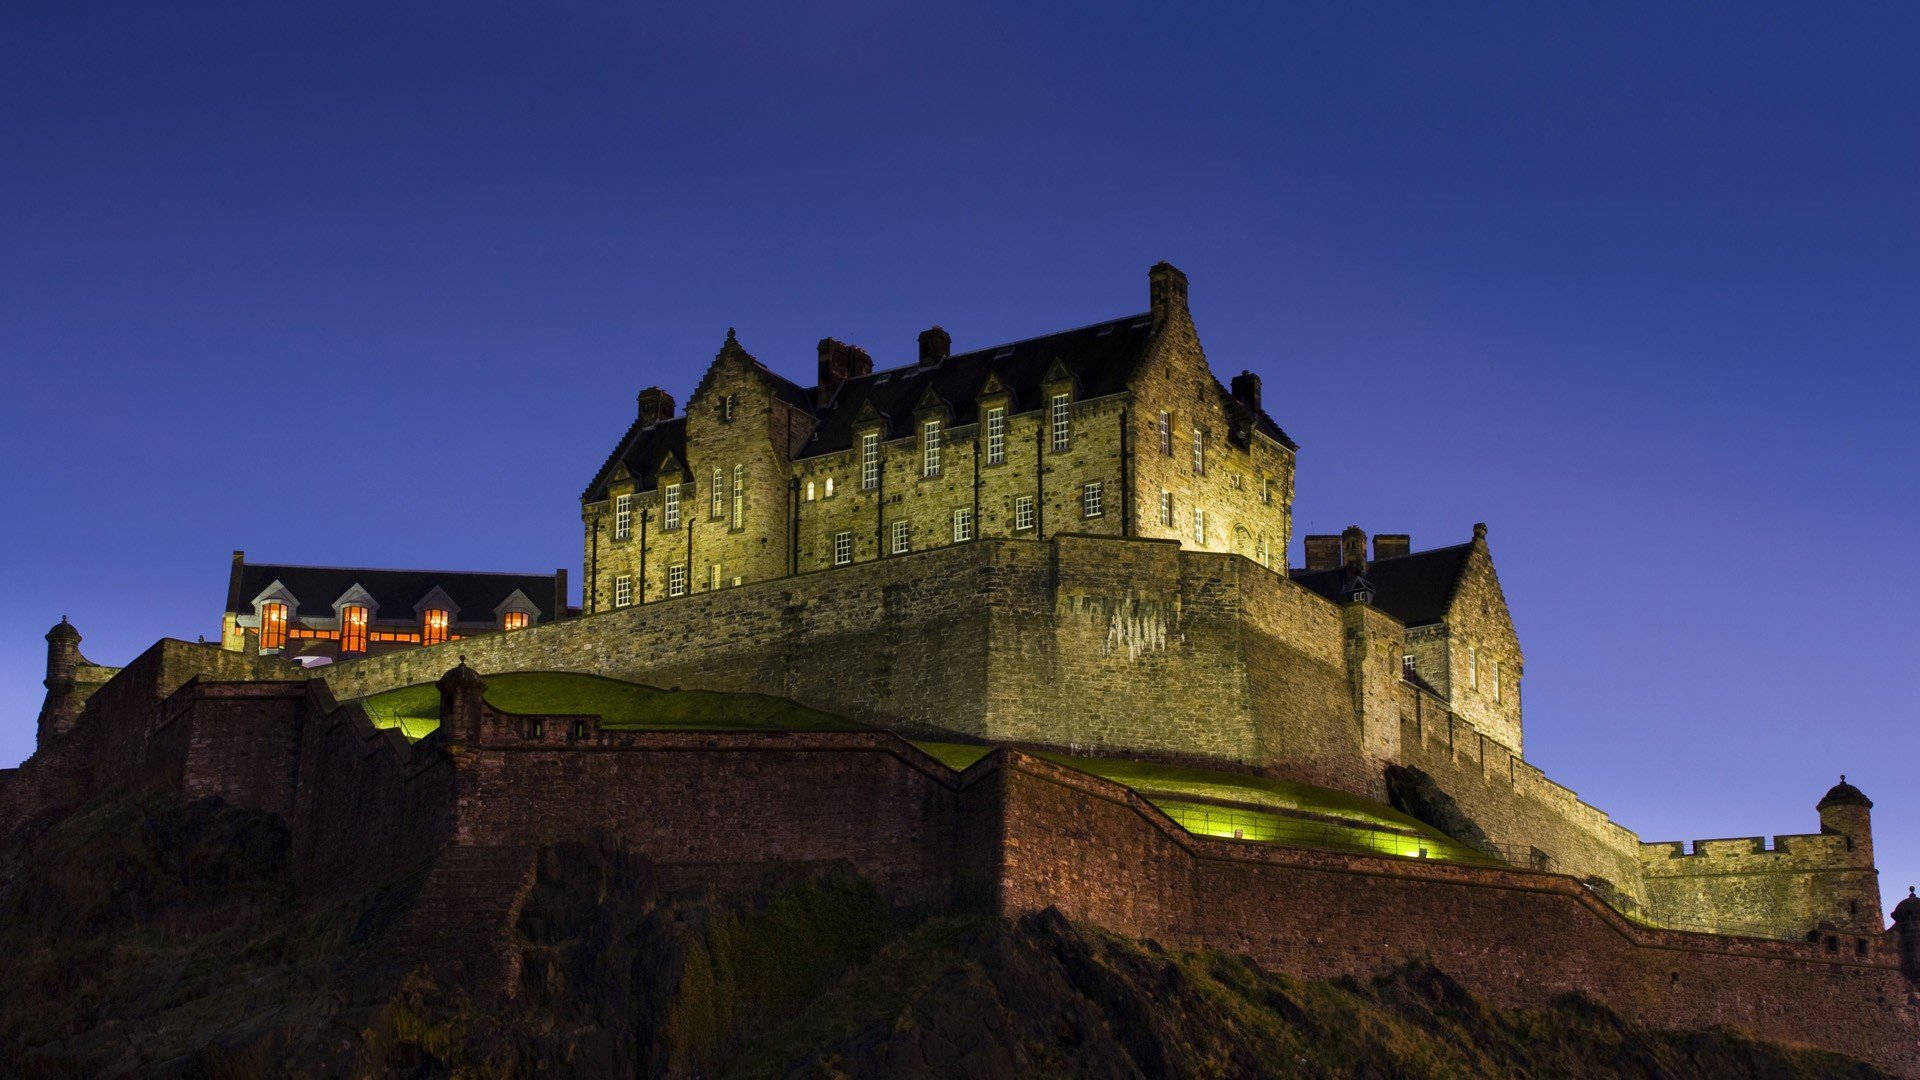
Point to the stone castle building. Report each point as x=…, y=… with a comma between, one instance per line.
x=1070, y=548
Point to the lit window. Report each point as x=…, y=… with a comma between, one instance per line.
x=829, y=487
x=842, y=548
x=930, y=449
x=902, y=538
x=353, y=628
x=622, y=591
x=1199, y=452
x=716, y=499
x=670, y=517
x=433, y=626
x=996, y=436
x=1409, y=666
x=809, y=491
x=740, y=495
x=1166, y=433
x=515, y=620
x=962, y=524
x=622, y=516
x=273, y=626
x=1166, y=508
x=1200, y=526
x=1090, y=499
x=1023, y=512
x=677, y=579
x=870, y=461
x=1062, y=422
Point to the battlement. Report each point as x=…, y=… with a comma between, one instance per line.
x=1822, y=847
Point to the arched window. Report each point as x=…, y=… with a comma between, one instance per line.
x=273, y=626
x=433, y=626
x=353, y=629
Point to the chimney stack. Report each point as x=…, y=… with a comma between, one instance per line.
x=1167, y=290
x=839, y=362
x=1246, y=390
x=935, y=345
x=1353, y=550
x=655, y=405
x=1391, y=546
x=1323, y=552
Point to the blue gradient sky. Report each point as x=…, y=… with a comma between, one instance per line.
x=1634, y=284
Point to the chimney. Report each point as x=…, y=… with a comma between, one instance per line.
x=655, y=405
x=1391, y=546
x=935, y=345
x=839, y=362
x=1323, y=552
x=560, y=604
x=1246, y=390
x=1353, y=550
x=1167, y=289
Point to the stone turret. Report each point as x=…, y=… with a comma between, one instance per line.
x=461, y=693
x=1906, y=926
x=1846, y=811
x=62, y=704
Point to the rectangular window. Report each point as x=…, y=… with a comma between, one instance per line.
x=433, y=626
x=515, y=620
x=1023, y=512
x=962, y=524
x=996, y=436
x=1409, y=666
x=622, y=591
x=1166, y=508
x=1090, y=499
x=740, y=495
x=902, y=538
x=622, y=516
x=1199, y=452
x=1496, y=681
x=670, y=516
x=869, y=461
x=353, y=629
x=842, y=548
x=1266, y=491
x=930, y=449
x=677, y=579
x=1473, y=667
x=829, y=487
x=1166, y=433
x=713, y=577
x=1062, y=421
x=716, y=499
x=273, y=626
x=1200, y=526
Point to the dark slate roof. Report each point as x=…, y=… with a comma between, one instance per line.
x=1417, y=589
x=394, y=591
x=1101, y=358
x=1844, y=794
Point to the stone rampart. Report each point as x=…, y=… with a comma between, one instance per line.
x=1809, y=883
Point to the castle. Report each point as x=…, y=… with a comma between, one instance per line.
x=1066, y=552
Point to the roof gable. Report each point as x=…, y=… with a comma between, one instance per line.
x=1417, y=589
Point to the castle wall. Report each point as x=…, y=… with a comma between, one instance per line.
x=1804, y=883
x=1482, y=654
x=1103, y=855
x=238, y=741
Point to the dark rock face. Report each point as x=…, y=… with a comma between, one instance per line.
x=151, y=938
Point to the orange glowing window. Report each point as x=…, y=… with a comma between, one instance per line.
x=515, y=620
x=353, y=629
x=433, y=627
x=273, y=626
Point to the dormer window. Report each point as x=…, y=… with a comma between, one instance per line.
x=996, y=436
x=433, y=626
x=515, y=620
x=930, y=448
x=273, y=626
x=869, y=461
x=1062, y=421
x=670, y=514
x=353, y=629
x=622, y=516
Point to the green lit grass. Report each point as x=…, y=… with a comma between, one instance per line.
x=955, y=756
x=621, y=706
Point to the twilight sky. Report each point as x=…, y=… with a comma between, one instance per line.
x=1634, y=284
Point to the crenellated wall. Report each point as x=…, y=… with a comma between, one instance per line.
x=1810, y=883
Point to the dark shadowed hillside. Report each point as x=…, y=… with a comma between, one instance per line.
x=145, y=937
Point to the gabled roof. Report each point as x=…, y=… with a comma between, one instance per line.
x=394, y=592
x=1416, y=589
x=641, y=450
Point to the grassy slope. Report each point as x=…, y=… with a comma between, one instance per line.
x=622, y=706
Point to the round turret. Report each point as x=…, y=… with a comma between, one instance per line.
x=1908, y=910
x=1906, y=925
x=1844, y=794
x=63, y=654
x=1846, y=811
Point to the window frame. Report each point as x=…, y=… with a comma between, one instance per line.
x=869, y=461
x=1092, y=498
x=677, y=579
x=274, y=618
x=1199, y=451
x=1023, y=515
x=435, y=631
x=929, y=449
x=1200, y=526
x=962, y=524
x=622, y=590
x=353, y=630
x=670, y=508
x=622, y=516
x=843, y=548
x=902, y=537
x=1166, y=433
x=1060, y=423
x=739, y=500
x=1166, y=509
x=997, y=435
